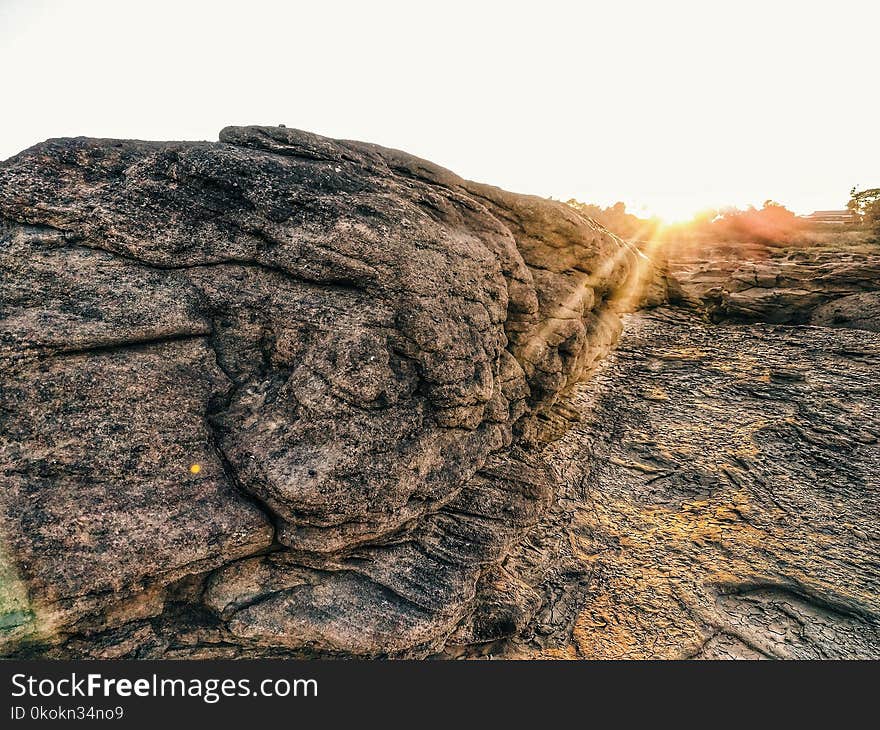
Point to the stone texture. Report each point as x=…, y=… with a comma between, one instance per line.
x=278, y=394
x=728, y=507
x=282, y=395
x=830, y=286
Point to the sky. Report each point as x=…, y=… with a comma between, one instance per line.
x=669, y=106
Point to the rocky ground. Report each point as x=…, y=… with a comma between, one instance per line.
x=281, y=395
x=728, y=504
x=827, y=285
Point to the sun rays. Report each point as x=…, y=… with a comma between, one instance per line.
x=588, y=317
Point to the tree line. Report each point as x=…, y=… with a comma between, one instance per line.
x=772, y=223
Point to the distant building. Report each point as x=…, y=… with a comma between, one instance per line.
x=834, y=217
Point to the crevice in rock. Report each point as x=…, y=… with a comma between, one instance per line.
x=129, y=345
x=214, y=409
x=344, y=285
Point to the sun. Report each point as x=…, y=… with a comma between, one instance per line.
x=676, y=209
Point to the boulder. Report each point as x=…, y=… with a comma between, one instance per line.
x=279, y=394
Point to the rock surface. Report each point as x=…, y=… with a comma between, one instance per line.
x=279, y=394
x=728, y=507
x=282, y=395
x=751, y=283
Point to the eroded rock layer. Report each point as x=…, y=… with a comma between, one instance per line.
x=728, y=506
x=830, y=286
x=280, y=394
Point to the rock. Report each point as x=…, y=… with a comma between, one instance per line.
x=858, y=311
x=839, y=288
x=288, y=396
x=737, y=518
x=99, y=502
x=280, y=394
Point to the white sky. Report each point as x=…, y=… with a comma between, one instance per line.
x=668, y=105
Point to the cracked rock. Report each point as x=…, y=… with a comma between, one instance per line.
x=279, y=394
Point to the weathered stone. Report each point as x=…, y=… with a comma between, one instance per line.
x=830, y=287
x=857, y=311
x=302, y=362
x=283, y=395
x=728, y=506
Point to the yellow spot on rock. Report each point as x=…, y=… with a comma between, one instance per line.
x=195, y=468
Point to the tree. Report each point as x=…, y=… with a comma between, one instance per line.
x=865, y=204
x=774, y=224
x=617, y=220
